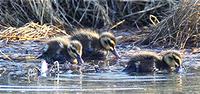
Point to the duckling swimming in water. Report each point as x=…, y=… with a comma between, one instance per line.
x=95, y=46
x=145, y=62
x=63, y=49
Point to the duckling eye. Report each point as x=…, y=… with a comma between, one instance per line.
x=109, y=43
x=171, y=58
x=106, y=42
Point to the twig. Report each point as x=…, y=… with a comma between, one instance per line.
x=6, y=56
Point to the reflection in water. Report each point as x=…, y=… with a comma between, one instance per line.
x=179, y=83
x=108, y=82
x=114, y=82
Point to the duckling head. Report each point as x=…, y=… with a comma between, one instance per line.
x=75, y=51
x=173, y=59
x=108, y=42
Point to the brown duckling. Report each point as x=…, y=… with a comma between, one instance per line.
x=63, y=49
x=95, y=46
x=145, y=62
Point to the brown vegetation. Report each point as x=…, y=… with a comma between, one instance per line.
x=30, y=31
x=180, y=29
x=175, y=23
x=81, y=13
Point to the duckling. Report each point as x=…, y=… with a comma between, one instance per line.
x=145, y=62
x=96, y=46
x=63, y=49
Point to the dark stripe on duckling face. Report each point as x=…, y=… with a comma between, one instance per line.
x=75, y=51
x=177, y=60
x=112, y=44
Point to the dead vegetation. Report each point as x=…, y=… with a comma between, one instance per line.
x=175, y=23
x=180, y=29
x=82, y=13
x=30, y=31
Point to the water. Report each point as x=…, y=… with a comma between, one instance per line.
x=112, y=83
x=17, y=79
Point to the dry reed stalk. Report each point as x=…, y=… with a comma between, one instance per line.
x=5, y=56
x=180, y=29
x=80, y=13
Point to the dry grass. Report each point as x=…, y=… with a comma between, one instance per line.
x=175, y=23
x=81, y=13
x=180, y=29
x=30, y=31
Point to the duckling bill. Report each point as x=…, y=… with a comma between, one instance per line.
x=63, y=49
x=96, y=46
x=145, y=62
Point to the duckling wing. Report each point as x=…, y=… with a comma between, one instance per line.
x=94, y=55
x=141, y=63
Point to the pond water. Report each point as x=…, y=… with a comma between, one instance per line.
x=15, y=77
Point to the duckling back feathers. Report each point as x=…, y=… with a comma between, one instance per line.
x=143, y=62
x=92, y=49
x=57, y=50
x=88, y=38
x=55, y=45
